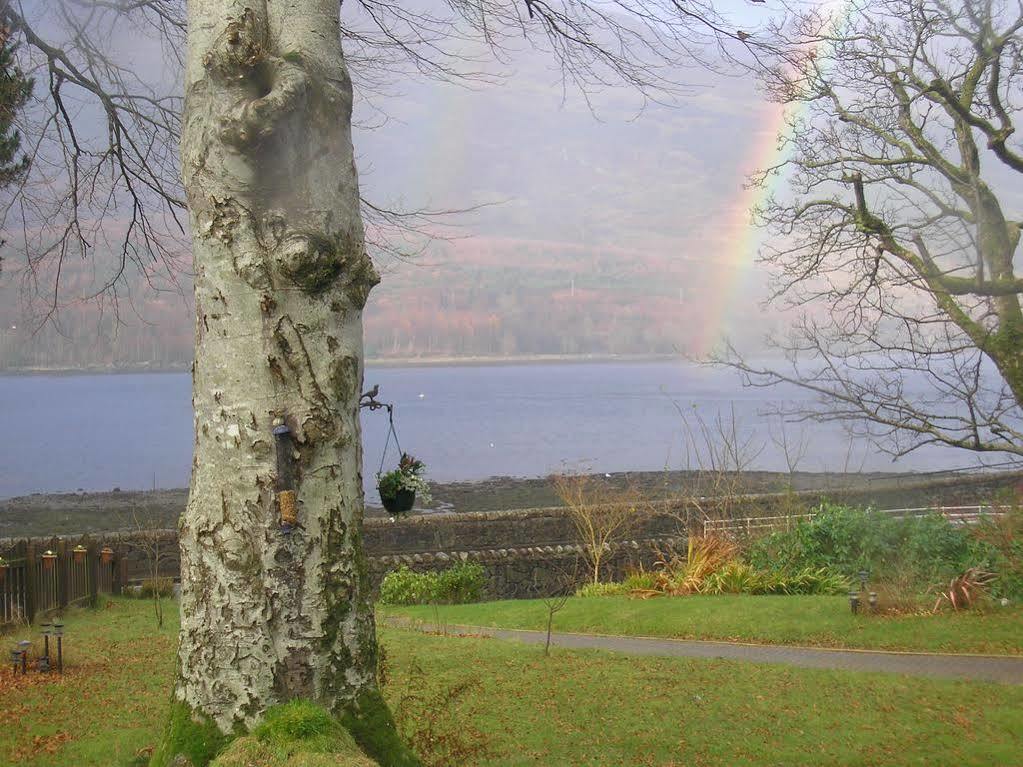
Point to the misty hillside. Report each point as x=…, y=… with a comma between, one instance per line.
x=624, y=232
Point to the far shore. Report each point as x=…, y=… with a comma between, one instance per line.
x=382, y=362
x=72, y=513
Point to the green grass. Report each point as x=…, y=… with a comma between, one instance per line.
x=574, y=708
x=800, y=620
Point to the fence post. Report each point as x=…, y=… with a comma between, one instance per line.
x=120, y=574
x=92, y=558
x=30, y=581
x=63, y=568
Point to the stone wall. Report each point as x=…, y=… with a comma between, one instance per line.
x=528, y=552
x=533, y=571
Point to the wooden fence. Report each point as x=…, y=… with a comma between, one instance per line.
x=36, y=581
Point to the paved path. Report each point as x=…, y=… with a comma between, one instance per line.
x=990, y=668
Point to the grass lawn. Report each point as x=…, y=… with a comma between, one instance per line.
x=800, y=620
x=574, y=708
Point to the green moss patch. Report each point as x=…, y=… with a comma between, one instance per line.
x=188, y=735
x=370, y=721
x=296, y=734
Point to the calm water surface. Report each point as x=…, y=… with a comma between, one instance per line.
x=95, y=432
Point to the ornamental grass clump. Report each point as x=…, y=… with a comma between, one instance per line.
x=705, y=555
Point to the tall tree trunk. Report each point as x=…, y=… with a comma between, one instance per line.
x=281, y=276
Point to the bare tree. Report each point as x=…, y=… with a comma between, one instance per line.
x=718, y=453
x=275, y=601
x=602, y=516
x=896, y=240
x=147, y=523
x=793, y=447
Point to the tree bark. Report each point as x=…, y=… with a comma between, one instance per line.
x=281, y=277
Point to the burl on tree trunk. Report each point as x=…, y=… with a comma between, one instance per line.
x=281, y=276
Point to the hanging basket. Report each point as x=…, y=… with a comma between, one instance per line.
x=106, y=555
x=3, y=569
x=48, y=559
x=79, y=553
x=400, y=503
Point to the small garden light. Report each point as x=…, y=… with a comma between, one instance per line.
x=15, y=658
x=79, y=552
x=48, y=559
x=58, y=631
x=854, y=601
x=106, y=555
x=864, y=574
x=873, y=601
x=47, y=628
x=23, y=646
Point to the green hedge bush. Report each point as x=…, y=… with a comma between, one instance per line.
x=458, y=584
x=923, y=550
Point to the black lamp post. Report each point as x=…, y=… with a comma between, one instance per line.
x=864, y=574
x=854, y=601
x=46, y=642
x=58, y=631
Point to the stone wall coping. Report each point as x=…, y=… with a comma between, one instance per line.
x=527, y=552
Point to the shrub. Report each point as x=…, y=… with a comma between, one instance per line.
x=462, y=583
x=458, y=584
x=927, y=548
x=405, y=587
x=704, y=556
x=156, y=587
x=640, y=581
x=741, y=578
x=735, y=577
x=999, y=548
x=602, y=590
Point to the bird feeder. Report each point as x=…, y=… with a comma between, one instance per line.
x=106, y=555
x=79, y=553
x=287, y=500
x=48, y=559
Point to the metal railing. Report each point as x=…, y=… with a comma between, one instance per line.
x=37, y=580
x=959, y=515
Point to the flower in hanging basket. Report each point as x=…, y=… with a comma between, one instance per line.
x=106, y=555
x=79, y=552
x=398, y=488
x=48, y=559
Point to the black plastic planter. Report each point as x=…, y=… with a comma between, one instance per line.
x=400, y=503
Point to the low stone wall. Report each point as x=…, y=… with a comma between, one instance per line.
x=527, y=552
x=534, y=571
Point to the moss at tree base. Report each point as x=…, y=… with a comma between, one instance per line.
x=295, y=734
x=190, y=740
x=369, y=721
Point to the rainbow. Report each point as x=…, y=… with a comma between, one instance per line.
x=730, y=284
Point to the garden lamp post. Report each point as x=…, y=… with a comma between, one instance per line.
x=58, y=631
x=46, y=627
x=864, y=574
x=23, y=646
x=854, y=601
x=873, y=601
